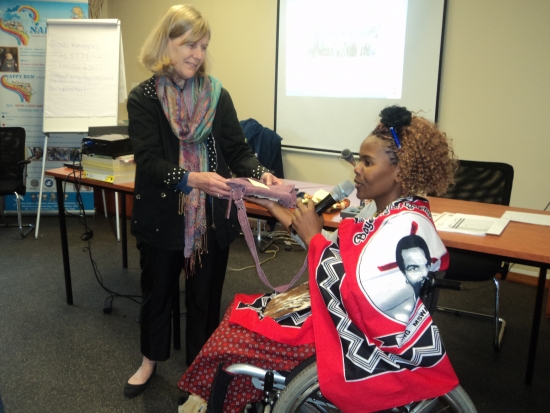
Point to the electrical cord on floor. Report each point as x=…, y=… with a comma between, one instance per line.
x=274, y=252
x=88, y=236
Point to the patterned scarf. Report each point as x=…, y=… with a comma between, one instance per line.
x=191, y=112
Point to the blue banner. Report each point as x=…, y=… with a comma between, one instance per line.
x=22, y=71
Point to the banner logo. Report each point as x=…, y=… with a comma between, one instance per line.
x=23, y=89
x=12, y=23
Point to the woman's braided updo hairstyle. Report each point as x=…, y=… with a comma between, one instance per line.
x=426, y=159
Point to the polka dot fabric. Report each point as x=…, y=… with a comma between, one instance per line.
x=175, y=176
x=150, y=89
x=258, y=172
x=232, y=344
x=212, y=155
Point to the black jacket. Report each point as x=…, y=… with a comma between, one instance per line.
x=155, y=217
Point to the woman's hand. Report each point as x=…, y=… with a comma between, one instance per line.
x=269, y=179
x=306, y=222
x=209, y=182
x=279, y=212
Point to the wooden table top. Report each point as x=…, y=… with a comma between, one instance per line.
x=73, y=175
x=518, y=241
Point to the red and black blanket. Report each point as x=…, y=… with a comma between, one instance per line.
x=376, y=344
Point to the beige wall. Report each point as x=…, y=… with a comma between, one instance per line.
x=495, y=81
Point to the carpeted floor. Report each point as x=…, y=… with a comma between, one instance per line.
x=56, y=357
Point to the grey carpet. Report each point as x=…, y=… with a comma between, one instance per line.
x=56, y=357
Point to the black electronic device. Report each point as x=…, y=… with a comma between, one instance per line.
x=107, y=145
x=73, y=166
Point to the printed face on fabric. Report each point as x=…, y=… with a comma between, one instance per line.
x=392, y=291
x=375, y=176
x=187, y=57
x=416, y=265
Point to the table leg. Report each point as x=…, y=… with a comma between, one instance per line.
x=64, y=243
x=117, y=218
x=123, y=230
x=536, y=325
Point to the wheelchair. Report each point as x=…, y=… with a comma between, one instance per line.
x=299, y=392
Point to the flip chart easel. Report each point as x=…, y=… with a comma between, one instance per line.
x=84, y=79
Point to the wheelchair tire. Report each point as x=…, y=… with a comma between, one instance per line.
x=302, y=395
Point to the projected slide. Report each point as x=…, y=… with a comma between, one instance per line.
x=339, y=63
x=352, y=48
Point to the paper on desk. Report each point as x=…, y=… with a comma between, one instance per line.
x=527, y=218
x=469, y=224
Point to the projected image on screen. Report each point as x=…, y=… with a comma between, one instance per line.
x=353, y=48
x=339, y=63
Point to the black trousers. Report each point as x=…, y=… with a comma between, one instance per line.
x=160, y=272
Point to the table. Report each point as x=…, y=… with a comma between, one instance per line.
x=519, y=243
x=63, y=175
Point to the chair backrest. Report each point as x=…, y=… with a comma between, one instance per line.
x=487, y=182
x=266, y=144
x=12, y=151
x=490, y=183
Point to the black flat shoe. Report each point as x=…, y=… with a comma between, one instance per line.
x=134, y=390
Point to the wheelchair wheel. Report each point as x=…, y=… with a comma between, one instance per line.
x=302, y=395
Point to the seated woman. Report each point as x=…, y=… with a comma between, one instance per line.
x=371, y=333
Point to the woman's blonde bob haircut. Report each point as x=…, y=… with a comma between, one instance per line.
x=178, y=20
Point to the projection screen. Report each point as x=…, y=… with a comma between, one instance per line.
x=340, y=63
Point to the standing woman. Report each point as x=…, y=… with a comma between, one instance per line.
x=187, y=141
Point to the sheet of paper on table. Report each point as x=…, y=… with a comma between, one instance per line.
x=527, y=218
x=469, y=224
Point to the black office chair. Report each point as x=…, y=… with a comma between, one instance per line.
x=13, y=170
x=487, y=182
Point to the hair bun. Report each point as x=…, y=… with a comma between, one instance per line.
x=396, y=116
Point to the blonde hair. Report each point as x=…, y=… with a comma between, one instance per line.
x=177, y=20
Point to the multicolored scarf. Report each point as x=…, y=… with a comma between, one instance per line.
x=191, y=112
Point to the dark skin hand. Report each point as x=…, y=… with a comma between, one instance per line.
x=304, y=219
x=306, y=222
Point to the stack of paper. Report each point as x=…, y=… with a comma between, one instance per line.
x=469, y=224
x=106, y=169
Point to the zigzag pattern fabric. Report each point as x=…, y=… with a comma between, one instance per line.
x=373, y=334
